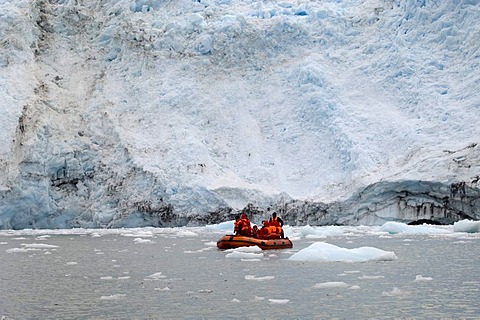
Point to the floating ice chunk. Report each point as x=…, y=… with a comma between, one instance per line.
x=243, y=255
x=106, y=278
x=235, y=300
x=422, y=278
x=190, y=251
x=278, y=301
x=205, y=291
x=39, y=246
x=117, y=296
x=155, y=276
x=245, y=249
x=228, y=226
x=394, y=293
x=314, y=236
x=72, y=263
x=250, y=277
x=138, y=233
x=321, y=251
x=310, y=232
x=371, y=277
x=397, y=227
x=355, y=287
x=186, y=233
x=334, y=284
x=466, y=226
x=32, y=247
x=14, y=250
x=141, y=240
x=163, y=289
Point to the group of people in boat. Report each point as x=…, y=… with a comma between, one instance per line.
x=271, y=229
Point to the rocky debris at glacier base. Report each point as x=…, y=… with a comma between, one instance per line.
x=101, y=198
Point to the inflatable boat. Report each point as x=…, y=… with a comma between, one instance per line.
x=231, y=241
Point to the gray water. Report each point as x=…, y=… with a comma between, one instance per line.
x=114, y=276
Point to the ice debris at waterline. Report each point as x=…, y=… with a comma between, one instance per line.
x=397, y=227
x=321, y=251
x=466, y=226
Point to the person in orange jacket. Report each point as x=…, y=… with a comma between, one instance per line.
x=277, y=222
x=255, y=231
x=264, y=231
x=244, y=226
x=236, y=227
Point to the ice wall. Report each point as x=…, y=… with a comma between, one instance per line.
x=132, y=113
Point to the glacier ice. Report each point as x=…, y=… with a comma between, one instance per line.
x=153, y=113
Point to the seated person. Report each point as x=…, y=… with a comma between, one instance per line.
x=236, y=229
x=244, y=226
x=277, y=222
x=269, y=231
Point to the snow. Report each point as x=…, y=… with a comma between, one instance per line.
x=111, y=112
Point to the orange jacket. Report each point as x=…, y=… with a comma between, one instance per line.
x=236, y=226
x=276, y=221
x=274, y=232
x=244, y=227
x=263, y=233
x=269, y=232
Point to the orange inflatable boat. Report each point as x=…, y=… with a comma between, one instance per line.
x=231, y=241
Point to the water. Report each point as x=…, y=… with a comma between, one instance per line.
x=172, y=274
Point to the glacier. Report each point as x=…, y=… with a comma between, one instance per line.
x=131, y=113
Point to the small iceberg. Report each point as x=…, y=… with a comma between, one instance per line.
x=321, y=251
